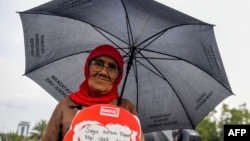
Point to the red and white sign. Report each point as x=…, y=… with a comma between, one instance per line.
x=104, y=122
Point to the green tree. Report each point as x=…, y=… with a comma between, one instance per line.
x=211, y=127
x=12, y=136
x=3, y=137
x=207, y=128
x=37, y=130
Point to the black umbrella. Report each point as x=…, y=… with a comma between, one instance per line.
x=174, y=73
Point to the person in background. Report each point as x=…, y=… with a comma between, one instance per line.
x=103, y=73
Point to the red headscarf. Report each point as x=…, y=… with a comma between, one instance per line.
x=85, y=96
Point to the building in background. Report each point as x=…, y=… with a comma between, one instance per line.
x=23, y=128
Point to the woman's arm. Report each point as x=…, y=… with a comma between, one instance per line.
x=53, y=130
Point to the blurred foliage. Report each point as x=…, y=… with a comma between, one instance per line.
x=211, y=127
x=11, y=136
x=34, y=135
x=37, y=130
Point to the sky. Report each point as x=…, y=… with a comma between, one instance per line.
x=21, y=99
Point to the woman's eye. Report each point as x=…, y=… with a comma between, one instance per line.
x=99, y=62
x=112, y=66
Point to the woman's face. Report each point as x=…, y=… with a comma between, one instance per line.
x=103, y=71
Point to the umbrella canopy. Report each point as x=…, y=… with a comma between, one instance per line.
x=174, y=73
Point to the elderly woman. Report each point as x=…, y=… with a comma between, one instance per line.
x=103, y=73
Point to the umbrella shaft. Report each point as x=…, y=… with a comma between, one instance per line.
x=130, y=63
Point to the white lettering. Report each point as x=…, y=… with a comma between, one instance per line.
x=243, y=131
x=231, y=132
x=235, y=132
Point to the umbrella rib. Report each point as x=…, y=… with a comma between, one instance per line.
x=147, y=59
x=164, y=78
x=157, y=35
x=129, y=30
x=98, y=30
x=161, y=76
x=47, y=63
x=177, y=58
x=94, y=26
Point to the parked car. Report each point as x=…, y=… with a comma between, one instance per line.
x=174, y=135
